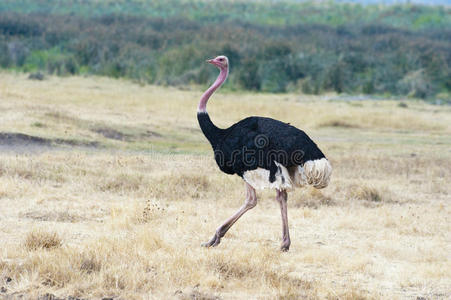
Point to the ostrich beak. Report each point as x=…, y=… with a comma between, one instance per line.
x=210, y=61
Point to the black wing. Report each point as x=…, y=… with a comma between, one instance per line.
x=257, y=142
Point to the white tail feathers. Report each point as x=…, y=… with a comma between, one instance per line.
x=313, y=172
x=318, y=172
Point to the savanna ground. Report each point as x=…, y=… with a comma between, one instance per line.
x=108, y=188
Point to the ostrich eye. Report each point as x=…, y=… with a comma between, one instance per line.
x=221, y=59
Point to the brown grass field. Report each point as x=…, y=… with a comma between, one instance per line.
x=108, y=188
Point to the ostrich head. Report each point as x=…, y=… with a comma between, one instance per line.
x=222, y=62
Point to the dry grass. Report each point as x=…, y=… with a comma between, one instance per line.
x=127, y=211
x=369, y=193
x=39, y=239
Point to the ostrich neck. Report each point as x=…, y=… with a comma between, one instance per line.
x=211, y=132
x=202, y=108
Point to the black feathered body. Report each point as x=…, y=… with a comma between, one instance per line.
x=258, y=142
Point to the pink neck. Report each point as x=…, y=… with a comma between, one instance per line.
x=202, y=108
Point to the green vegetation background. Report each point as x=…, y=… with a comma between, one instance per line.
x=273, y=46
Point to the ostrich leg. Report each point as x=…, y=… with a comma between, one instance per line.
x=282, y=199
x=251, y=202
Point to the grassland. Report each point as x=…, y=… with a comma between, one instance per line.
x=108, y=188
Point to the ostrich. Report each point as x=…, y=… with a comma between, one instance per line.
x=266, y=153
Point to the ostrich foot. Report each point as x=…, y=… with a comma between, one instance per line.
x=284, y=248
x=215, y=240
x=285, y=245
x=251, y=201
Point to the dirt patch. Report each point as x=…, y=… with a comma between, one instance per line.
x=134, y=135
x=20, y=139
x=119, y=133
x=56, y=216
x=20, y=142
x=92, y=144
x=111, y=133
x=150, y=134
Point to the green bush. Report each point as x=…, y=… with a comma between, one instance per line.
x=273, y=47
